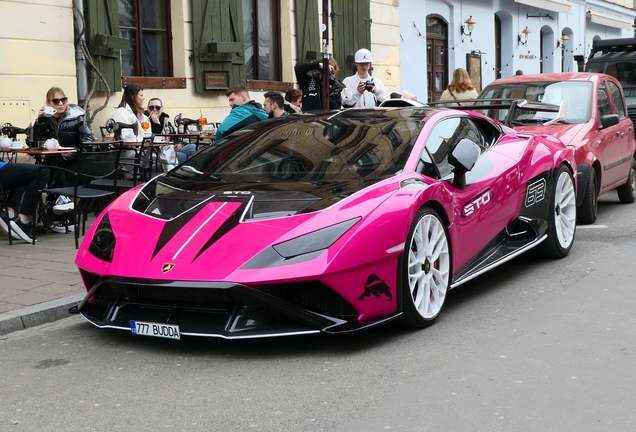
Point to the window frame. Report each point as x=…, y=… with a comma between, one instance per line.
x=274, y=46
x=139, y=32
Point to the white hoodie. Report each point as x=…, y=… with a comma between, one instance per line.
x=125, y=115
x=351, y=95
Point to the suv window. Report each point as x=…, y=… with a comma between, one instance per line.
x=618, y=99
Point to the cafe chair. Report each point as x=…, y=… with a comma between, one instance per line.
x=96, y=160
x=133, y=163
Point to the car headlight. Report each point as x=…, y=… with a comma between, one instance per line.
x=103, y=242
x=314, y=241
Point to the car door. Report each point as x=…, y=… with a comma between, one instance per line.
x=609, y=141
x=626, y=130
x=489, y=201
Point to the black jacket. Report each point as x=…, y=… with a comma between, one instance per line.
x=311, y=87
x=70, y=129
x=157, y=128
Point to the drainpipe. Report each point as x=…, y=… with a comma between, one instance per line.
x=80, y=61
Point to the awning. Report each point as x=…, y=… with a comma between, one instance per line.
x=610, y=20
x=561, y=6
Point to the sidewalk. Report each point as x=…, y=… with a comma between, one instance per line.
x=38, y=283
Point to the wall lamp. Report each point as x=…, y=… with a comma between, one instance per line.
x=469, y=25
x=563, y=41
x=522, y=39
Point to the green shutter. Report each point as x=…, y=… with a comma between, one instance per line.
x=351, y=24
x=217, y=27
x=104, y=43
x=307, y=30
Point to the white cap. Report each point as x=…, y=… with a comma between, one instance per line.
x=363, y=56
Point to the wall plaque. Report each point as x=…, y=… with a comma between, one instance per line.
x=217, y=80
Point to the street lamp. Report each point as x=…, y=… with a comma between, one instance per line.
x=469, y=25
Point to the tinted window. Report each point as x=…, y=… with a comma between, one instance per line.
x=604, y=106
x=361, y=146
x=618, y=99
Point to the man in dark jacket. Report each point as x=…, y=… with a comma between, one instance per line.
x=309, y=79
x=244, y=112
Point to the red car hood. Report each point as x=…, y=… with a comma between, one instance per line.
x=565, y=132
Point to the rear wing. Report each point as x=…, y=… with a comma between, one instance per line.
x=513, y=106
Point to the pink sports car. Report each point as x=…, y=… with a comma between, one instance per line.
x=326, y=222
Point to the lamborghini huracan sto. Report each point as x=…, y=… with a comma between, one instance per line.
x=326, y=222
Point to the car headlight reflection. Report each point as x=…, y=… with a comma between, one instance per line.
x=103, y=242
x=314, y=241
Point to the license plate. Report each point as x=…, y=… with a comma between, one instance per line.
x=168, y=331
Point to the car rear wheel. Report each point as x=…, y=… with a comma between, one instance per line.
x=427, y=270
x=562, y=216
x=589, y=207
x=627, y=192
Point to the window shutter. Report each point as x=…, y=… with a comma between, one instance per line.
x=104, y=43
x=351, y=23
x=219, y=52
x=307, y=30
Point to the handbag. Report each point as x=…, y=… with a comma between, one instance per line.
x=168, y=157
x=451, y=93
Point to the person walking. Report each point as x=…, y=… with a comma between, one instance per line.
x=362, y=90
x=244, y=111
x=460, y=88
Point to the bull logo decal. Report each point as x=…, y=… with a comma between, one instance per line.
x=167, y=267
x=376, y=287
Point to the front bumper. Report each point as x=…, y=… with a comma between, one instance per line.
x=219, y=309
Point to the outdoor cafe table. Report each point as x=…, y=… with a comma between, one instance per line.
x=37, y=153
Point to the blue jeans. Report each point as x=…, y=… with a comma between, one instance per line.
x=185, y=152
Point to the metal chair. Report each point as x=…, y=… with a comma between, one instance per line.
x=96, y=160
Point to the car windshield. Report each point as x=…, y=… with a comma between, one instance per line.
x=578, y=95
x=308, y=148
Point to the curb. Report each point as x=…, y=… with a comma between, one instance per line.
x=35, y=315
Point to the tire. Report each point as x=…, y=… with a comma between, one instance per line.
x=561, y=216
x=627, y=192
x=427, y=269
x=589, y=207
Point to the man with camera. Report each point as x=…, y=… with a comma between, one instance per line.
x=362, y=90
x=309, y=78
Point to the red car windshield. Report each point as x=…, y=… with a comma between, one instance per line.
x=578, y=95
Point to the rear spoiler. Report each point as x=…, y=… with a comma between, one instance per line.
x=510, y=104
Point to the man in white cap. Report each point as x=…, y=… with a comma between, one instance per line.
x=363, y=91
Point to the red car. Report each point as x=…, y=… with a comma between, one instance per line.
x=595, y=126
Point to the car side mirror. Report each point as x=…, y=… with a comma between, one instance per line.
x=463, y=159
x=609, y=120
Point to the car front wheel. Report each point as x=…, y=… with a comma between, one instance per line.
x=427, y=271
x=589, y=207
x=562, y=216
x=627, y=191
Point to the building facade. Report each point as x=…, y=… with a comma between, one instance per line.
x=495, y=38
x=188, y=52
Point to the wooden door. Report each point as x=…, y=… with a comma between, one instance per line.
x=436, y=56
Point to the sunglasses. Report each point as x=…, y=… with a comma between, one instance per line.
x=154, y=107
x=57, y=101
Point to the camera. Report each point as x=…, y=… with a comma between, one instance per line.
x=368, y=85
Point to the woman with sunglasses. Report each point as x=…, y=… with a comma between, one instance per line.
x=68, y=126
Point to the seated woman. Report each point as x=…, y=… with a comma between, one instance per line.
x=68, y=126
x=22, y=181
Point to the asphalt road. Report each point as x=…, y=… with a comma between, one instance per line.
x=536, y=345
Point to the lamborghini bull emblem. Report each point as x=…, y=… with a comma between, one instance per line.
x=167, y=267
x=375, y=287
